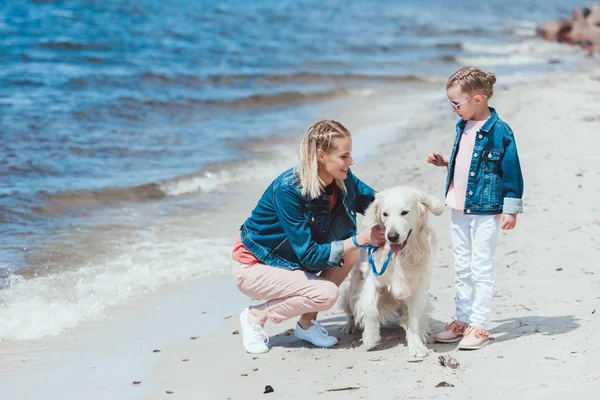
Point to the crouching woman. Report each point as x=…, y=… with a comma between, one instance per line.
x=300, y=241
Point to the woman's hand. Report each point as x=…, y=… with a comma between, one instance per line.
x=437, y=159
x=377, y=237
x=374, y=236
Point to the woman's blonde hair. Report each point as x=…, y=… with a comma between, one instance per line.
x=319, y=136
x=472, y=80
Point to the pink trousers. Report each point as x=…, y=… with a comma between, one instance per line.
x=288, y=293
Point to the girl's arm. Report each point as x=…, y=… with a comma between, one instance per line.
x=512, y=177
x=438, y=160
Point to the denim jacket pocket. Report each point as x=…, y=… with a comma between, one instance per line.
x=493, y=154
x=318, y=220
x=492, y=185
x=350, y=206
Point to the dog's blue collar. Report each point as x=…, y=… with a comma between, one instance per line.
x=372, y=250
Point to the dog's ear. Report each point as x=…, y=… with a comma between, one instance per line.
x=372, y=216
x=432, y=203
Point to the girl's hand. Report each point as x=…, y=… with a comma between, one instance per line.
x=437, y=159
x=508, y=221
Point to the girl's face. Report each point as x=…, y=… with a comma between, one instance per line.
x=335, y=163
x=462, y=104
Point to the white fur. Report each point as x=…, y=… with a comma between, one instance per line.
x=402, y=290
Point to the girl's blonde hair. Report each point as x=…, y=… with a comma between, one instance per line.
x=319, y=136
x=472, y=80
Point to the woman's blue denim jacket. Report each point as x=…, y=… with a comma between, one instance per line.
x=288, y=230
x=495, y=184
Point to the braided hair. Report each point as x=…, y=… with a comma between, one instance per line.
x=320, y=135
x=473, y=80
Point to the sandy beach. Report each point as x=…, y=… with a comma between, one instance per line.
x=547, y=302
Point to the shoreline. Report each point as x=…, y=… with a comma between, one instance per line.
x=101, y=360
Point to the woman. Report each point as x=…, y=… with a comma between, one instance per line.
x=300, y=241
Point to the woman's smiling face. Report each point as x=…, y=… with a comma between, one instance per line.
x=334, y=164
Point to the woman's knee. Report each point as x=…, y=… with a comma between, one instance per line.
x=327, y=295
x=237, y=271
x=245, y=286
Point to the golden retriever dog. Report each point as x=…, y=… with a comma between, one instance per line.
x=402, y=289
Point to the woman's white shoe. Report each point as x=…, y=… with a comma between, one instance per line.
x=316, y=334
x=254, y=338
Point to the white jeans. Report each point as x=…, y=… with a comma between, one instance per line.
x=474, y=239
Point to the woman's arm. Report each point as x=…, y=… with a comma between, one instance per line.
x=365, y=194
x=374, y=236
x=289, y=207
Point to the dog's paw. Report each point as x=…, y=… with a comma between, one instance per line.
x=418, y=351
x=350, y=328
x=371, y=340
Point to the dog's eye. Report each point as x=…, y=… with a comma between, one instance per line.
x=403, y=213
x=385, y=214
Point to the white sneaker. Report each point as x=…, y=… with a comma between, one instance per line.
x=316, y=334
x=254, y=338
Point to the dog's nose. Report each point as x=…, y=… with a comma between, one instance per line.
x=393, y=237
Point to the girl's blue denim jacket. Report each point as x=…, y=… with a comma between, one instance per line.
x=495, y=184
x=288, y=230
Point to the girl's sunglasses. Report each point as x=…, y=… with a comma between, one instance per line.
x=456, y=106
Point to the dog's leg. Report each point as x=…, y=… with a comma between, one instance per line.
x=417, y=306
x=403, y=312
x=368, y=304
x=351, y=293
x=346, y=299
x=350, y=326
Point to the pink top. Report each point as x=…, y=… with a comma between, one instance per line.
x=457, y=191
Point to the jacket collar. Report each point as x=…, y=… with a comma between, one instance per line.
x=491, y=120
x=487, y=126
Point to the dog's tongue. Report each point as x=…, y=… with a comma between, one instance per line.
x=396, y=247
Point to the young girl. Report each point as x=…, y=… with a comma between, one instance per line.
x=484, y=187
x=300, y=241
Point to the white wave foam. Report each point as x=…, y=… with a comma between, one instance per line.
x=528, y=52
x=525, y=32
x=526, y=47
x=523, y=53
x=522, y=23
x=523, y=28
x=46, y=306
x=488, y=61
x=512, y=48
x=219, y=181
